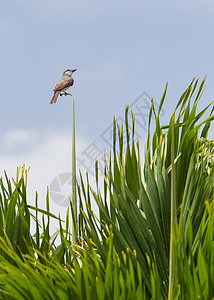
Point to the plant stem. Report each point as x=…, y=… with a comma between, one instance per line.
x=74, y=195
x=172, y=254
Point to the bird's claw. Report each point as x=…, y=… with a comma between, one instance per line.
x=64, y=94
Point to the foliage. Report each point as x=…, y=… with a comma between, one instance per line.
x=125, y=252
x=139, y=208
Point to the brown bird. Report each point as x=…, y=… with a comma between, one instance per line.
x=63, y=84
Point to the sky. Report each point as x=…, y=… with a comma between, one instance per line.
x=121, y=49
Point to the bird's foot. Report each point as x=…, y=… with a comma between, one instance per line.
x=63, y=94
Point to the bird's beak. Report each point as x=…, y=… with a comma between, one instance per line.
x=74, y=70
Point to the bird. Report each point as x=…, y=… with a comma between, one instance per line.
x=63, y=84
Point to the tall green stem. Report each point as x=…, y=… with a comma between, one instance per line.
x=74, y=194
x=172, y=254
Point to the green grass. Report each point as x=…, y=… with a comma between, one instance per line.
x=153, y=236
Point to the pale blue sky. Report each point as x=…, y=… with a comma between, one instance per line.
x=120, y=48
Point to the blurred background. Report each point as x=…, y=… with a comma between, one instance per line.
x=124, y=52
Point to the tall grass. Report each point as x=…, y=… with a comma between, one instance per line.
x=153, y=237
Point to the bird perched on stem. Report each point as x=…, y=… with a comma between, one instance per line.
x=63, y=84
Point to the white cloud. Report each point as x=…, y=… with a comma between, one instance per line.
x=47, y=152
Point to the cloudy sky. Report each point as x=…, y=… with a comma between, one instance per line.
x=120, y=48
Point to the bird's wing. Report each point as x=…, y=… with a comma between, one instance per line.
x=63, y=83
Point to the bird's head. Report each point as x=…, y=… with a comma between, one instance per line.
x=69, y=72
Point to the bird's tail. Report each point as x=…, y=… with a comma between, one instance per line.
x=55, y=96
